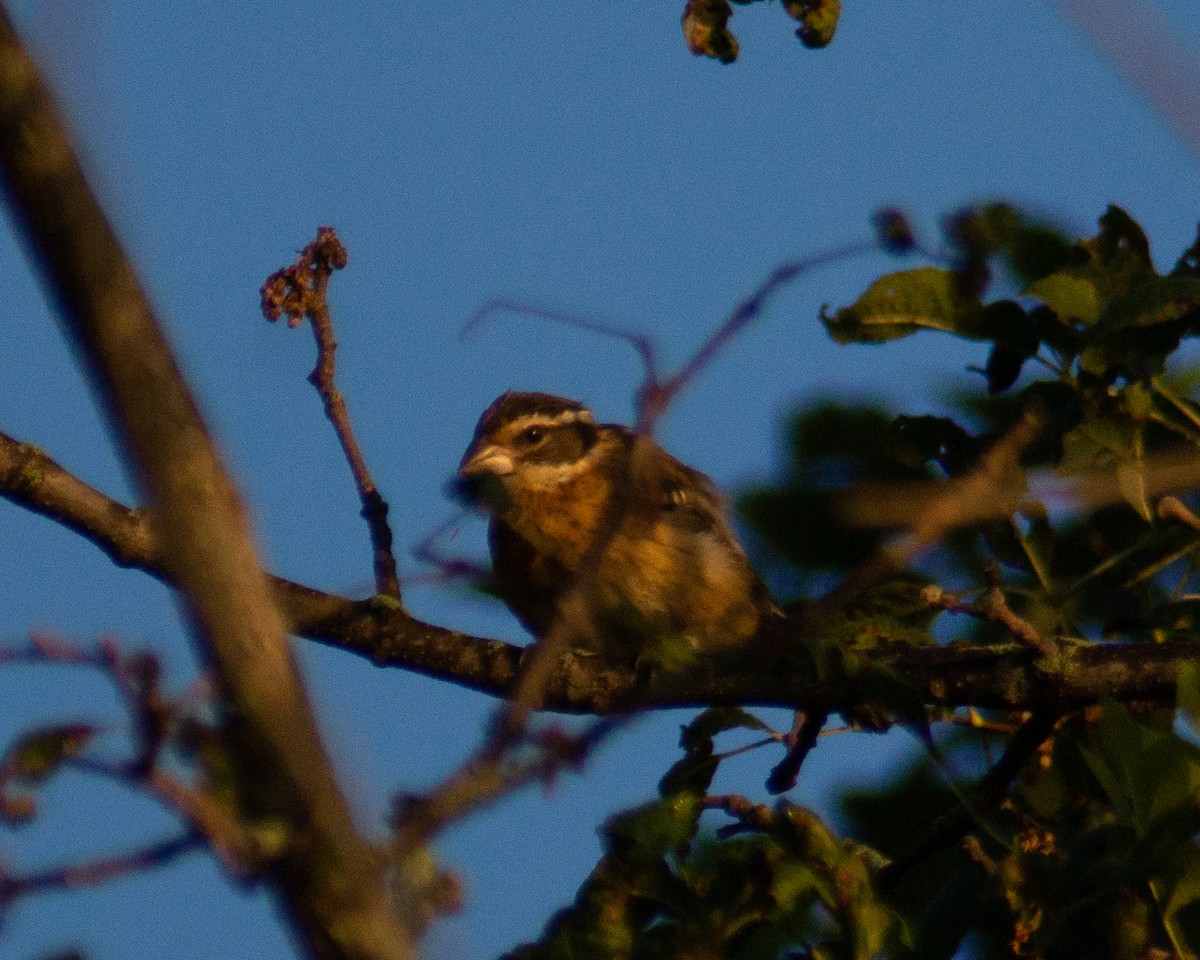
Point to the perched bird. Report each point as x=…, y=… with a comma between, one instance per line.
x=571, y=499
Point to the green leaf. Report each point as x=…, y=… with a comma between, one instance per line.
x=1149, y=774
x=1003, y=367
x=1131, y=481
x=1121, y=235
x=793, y=883
x=1072, y=297
x=1099, y=442
x=1119, y=255
x=694, y=772
x=1015, y=339
x=1181, y=909
x=899, y=304
x=1187, y=691
x=653, y=830
x=1158, y=300
x=1139, y=330
x=1038, y=540
x=1112, y=441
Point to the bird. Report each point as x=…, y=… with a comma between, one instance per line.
x=644, y=536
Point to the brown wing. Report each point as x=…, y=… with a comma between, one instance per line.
x=688, y=500
x=675, y=493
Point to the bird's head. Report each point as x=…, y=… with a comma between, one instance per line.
x=523, y=442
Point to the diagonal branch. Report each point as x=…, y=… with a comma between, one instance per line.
x=657, y=392
x=655, y=396
x=485, y=779
x=283, y=773
x=95, y=872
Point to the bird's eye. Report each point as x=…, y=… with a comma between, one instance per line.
x=531, y=435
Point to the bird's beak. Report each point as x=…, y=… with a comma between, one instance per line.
x=477, y=480
x=492, y=459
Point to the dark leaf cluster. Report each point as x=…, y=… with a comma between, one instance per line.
x=768, y=881
x=1066, y=836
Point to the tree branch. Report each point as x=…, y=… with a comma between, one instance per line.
x=991, y=790
x=329, y=881
x=98, y=871
x=656, y=392
x=485, y=779
x=1000, y=676
x=300, y=291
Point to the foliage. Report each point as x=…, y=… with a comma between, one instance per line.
x=706, y=25
x=1091, y=852
x=663, y=890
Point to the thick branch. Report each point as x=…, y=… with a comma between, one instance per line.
x=327, y=878
x=1003, y=677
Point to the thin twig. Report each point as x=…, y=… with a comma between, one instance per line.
x=749, y=747
x=656, y=392
x=751, y=817
x=135, y=677
x=883, y=505
x=301, y=291
x=995, y=609
x=484, y=780
x=205, y=814
x=640, y=342
x=953, y=826
x=96, y=872
x=448, y=567
x=806, y=728
x=44, y=648
x=655, y=396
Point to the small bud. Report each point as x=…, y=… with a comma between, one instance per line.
x=894, y=231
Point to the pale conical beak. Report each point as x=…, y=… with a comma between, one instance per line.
x=492, y=459
x=478, y=473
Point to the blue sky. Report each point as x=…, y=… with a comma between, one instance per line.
x=575, y=156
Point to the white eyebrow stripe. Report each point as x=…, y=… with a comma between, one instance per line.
x=544, y=420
